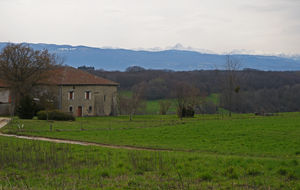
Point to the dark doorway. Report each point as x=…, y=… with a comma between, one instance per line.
x=79, y=111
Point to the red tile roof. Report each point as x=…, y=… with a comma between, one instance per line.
x=72, y=76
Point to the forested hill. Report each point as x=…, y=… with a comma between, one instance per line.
x=268, y=91
x=177, y=60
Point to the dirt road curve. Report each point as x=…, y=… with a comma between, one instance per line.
x=4, y=121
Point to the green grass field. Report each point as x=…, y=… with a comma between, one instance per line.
x=246, y=134
x=152, y=106
x=208, y=151
x=27, y=164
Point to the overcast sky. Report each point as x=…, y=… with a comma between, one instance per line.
x=263, y=26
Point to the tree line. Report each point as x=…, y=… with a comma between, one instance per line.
x=240, y=91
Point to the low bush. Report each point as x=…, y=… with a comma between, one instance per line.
x=55, y=115
x=26, y=108
x=186, y=112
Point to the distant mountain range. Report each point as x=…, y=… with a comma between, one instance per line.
x=177, y=59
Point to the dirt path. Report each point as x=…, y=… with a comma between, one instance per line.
x=4, y=121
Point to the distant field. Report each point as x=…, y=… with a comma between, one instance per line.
x=152, y=106
x=215, y=98
x=126, y=93
x=244, y=151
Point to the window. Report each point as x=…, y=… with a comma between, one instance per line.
x=88, y=95
x=71, y=95
x=71, y=109
x=90, y=109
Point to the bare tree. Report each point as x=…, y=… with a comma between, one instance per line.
x=231, y=80
x=22, y=68
x=131, y=105
x=187, y=98
x=164, y=106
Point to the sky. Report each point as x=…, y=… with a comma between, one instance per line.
x=253, y=26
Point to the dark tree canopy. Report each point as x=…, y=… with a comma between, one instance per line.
x=252, y=90
x=22, y=68
x=135, y=69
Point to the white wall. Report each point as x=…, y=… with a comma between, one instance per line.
x=4, y=95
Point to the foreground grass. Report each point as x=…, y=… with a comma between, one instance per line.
x=27, y=164
x=242, y=135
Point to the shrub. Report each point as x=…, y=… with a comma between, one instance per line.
x=189, y=112
x=26, y=108
x=55, y=115
x=186, y=112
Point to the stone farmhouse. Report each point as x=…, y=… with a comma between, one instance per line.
x=76, y=91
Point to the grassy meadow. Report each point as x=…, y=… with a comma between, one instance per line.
x=242, y=134
x=152, y=106
x=208, y=151
x=27, y=164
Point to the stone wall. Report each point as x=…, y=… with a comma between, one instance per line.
x=102, y=99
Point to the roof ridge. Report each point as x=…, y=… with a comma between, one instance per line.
x=67, y=75
x=95, y=76
x=75, y=76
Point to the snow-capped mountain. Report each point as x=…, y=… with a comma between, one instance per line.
x=177, y=58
